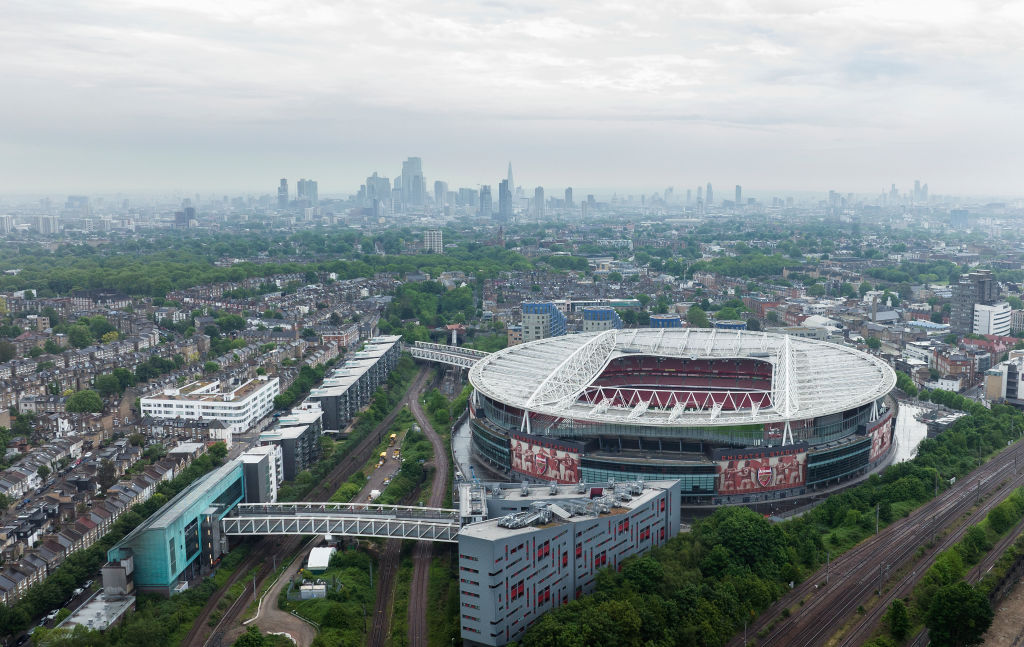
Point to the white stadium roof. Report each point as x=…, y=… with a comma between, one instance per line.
x=809, y=379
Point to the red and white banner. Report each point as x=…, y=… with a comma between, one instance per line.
x=761, y=471
x=545, y=459
x=881, y=439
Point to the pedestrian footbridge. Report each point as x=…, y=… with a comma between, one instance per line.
x=443, y=354
x=343, y=519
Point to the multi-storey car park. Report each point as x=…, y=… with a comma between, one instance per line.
x=736, y=416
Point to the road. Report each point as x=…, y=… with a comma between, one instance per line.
x=854, y=576
x=270, y=618
x=201, y=634
x=424, y=550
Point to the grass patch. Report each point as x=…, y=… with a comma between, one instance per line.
x=343, y=615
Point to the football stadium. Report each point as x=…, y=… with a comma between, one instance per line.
x=738, y=417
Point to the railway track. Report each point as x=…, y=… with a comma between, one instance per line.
x=863, y=630
x=387, y=567
x=423, y=550
x=854, y=576
x=200, y=635
x=388, y=562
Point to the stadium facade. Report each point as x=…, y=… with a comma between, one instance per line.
x=738, y=417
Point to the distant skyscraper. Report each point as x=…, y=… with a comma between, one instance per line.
x=433, y=241
x=307, y=191
x=440, y=194
x=511, y=184
x=700, y=194
x=377, y=189
x=739, y=195
x=486, y=202
x=504, y=201
x=282, y=194
x=469, y=198
x=689, y=196
x=568, y=198
x=709, y=198
x=538, y=202
x=414, y=190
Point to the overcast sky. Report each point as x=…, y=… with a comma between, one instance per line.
x=230, y=95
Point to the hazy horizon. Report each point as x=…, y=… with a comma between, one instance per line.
x=147, y=97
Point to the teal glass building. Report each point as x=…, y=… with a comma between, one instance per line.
x=183, y=539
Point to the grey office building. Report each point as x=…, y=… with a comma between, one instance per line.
x=977, y=288
x=527, y=550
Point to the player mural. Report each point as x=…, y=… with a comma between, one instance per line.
x=547, y=459
x=881, y=439
x=760, y=470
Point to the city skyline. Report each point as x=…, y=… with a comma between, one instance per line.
x=126, y=97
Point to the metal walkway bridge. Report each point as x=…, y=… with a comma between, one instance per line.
x=345, y=519
x=443, y=354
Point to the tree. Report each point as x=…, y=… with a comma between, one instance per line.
x=865, y=287
x=218, y=451
x=7, y=351
x=107, y=385
x=251, y=638
x=958, y=616
x=80, y=336
x=23, y=424
x=874, y=343
x=210, y=367
x=106, y=475
x=108, y=337
x=137, y=440
x=697, y=317
x=125, y=378
x=899, y=619
x=51, y=346
x=1015, y=302
x=230, y=322
x=816, y=290
x=753, y=324
x=772, y=317
x=43, y=472
x=87, y=401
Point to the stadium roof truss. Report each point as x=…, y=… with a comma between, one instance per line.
x=556, y=377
